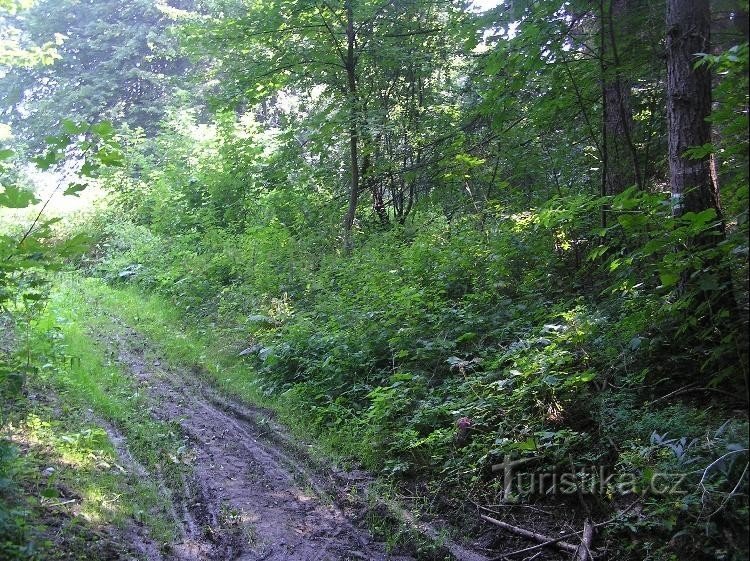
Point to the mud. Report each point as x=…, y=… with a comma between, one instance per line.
x=244, y=497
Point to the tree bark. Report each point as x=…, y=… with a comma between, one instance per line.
x=351, y=67
x=693, y=181
x=692, y=184
x=621, y=165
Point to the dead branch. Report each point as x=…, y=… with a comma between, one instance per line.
x=531, y=535
x=584, y=550
x=554, y=541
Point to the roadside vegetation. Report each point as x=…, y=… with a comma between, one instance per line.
x=65, y=480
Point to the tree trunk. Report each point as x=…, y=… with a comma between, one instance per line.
x=692, y=184
x=693, y=181
x=351, y=65
x=621, y=166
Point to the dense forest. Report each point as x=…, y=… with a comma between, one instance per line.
x=374, y=279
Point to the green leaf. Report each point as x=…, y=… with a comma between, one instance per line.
x=15, y=197
x=59, y=141
x=87, y=169
x=110, y=157
x=74, y=189
x=528, y=444
x=652, y=246
x=632, y=221
x=700, y=220
x=49, y=493
x=76, y=245
x=71, y=127
x=6, y=153
x=597, y=252
x=627, y=200
x=647, y=476
x=470, y=336
x=105, y=129
x=48, y=160
x=668, y=278
x=709, y=282
x=699, y=152
x=551, y=380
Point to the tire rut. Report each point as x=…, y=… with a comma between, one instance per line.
x=245, y=499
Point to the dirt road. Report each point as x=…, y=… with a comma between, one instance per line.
x=245, y=497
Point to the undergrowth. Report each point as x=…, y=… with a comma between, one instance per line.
x=383, y=353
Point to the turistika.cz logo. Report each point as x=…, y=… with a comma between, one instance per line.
x=592, y=480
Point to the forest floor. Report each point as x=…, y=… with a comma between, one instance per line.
x=132, y=451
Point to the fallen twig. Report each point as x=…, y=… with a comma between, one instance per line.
x=559, y=543
x=63, y=503
x=554, y=541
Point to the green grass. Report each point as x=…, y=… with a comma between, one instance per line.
x=88, y=377
x=70, y=479
x=87, y=467
x=208, y=351
x=161, y=323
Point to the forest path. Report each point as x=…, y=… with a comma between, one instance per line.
x=243, y=496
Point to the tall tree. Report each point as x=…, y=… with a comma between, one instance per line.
x=115, y=61
x=350, y=65
x=621, y=167
x=693, y=178
x=693, y=185
x=363, y=57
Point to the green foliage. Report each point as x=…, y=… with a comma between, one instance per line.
x=551, y=334
x=28, y=254
x=13, y=544
x=103, y=60
x=492, y=284
x=16, y=50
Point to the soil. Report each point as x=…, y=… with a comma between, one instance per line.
x=244, y=497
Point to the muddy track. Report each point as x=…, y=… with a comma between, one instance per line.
x=244, y=497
